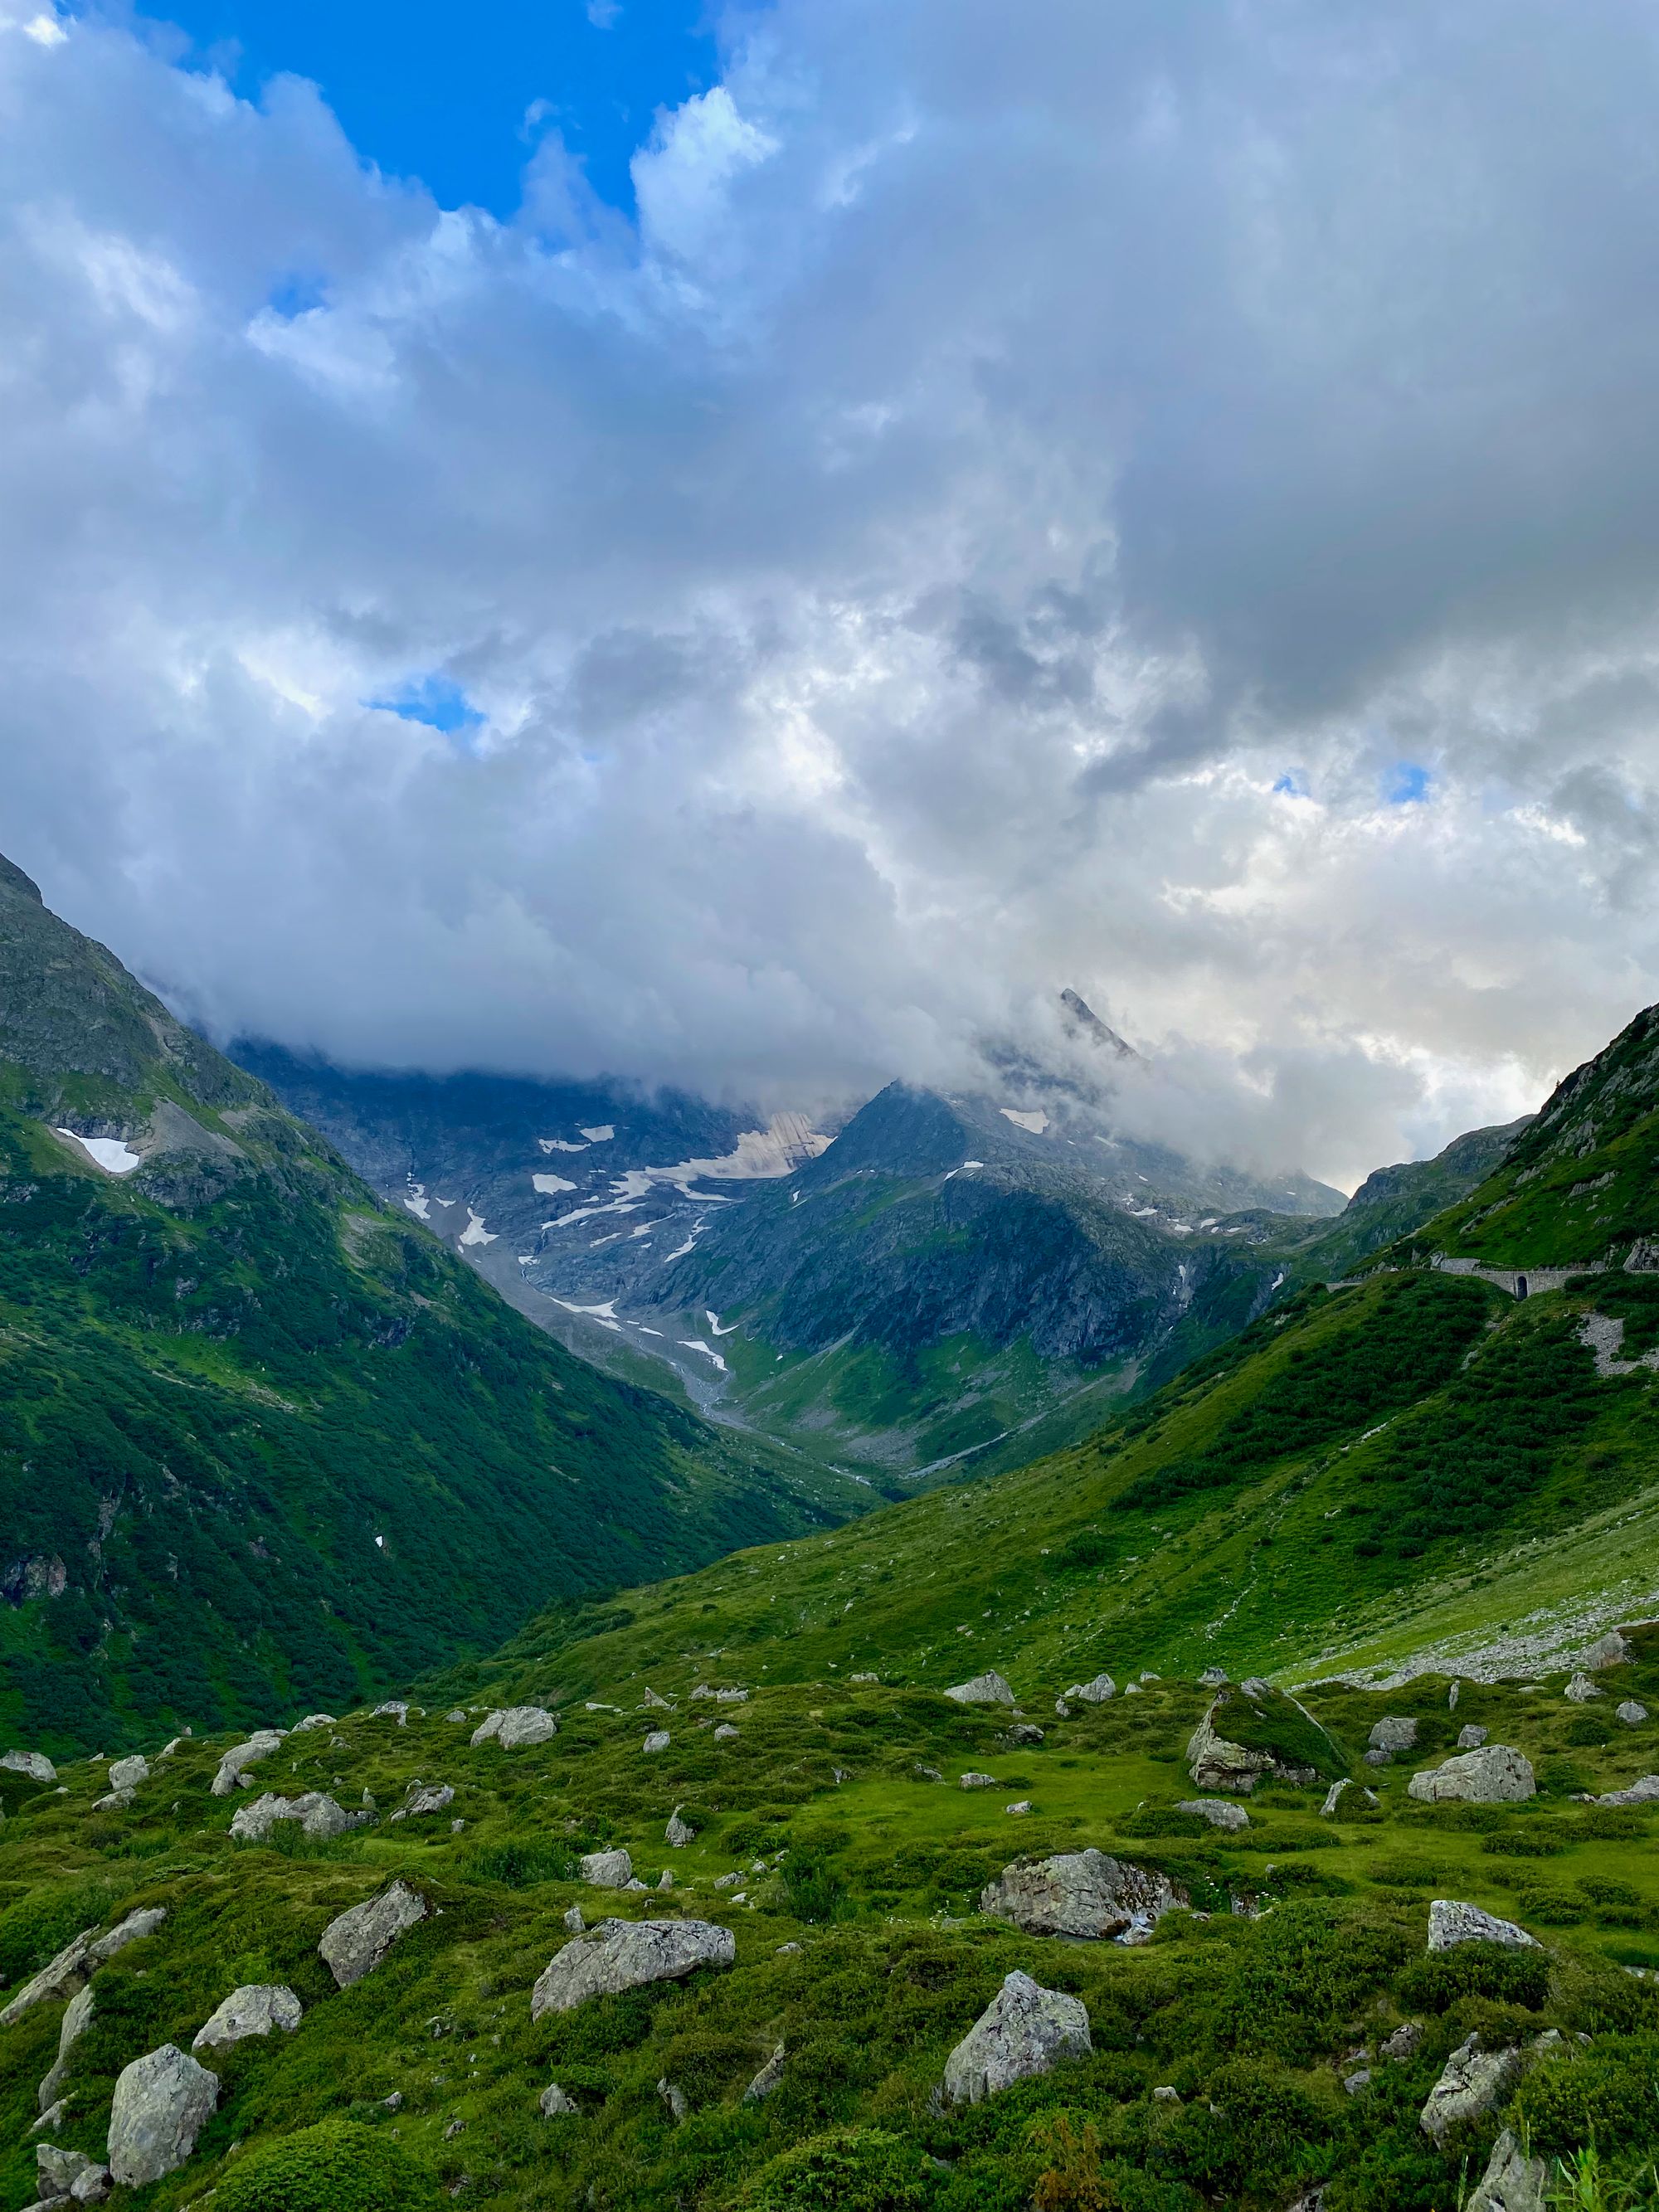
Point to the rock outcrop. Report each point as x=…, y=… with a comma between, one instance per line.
x=677, y=1835
x=1451, y=1923
x=1473, y=2082
x=77, y=2019
x=253, y=2009
x=1393, y=1732
x=658, y=1739
x=241, y=1756
x=316, y=1812
x=1022, y=2032
x=1644, y=1792
x=1215, y=1762
x=1081, y=1894
x=625, y=1954
x=162, y=2102
x=1496, y=1774
x=125, y=1774
x=1512, y=2182
x=69, y=2177
x=986, y=1689
x=557, y=2104
x=425, y=1797
x=355, y=1944
x=1580, y=1690
x=1633, y=1712
x=514, y=1727
x=1472, y=1736
x=79, y=1959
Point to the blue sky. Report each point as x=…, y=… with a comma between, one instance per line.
x=440, y=91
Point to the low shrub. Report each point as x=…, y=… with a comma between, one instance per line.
x=852, y=2170
x=336, y=2167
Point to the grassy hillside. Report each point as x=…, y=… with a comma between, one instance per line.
x=1578, y=1183
x=1341, y=1469
x=831, y=1839
x=263, y=1443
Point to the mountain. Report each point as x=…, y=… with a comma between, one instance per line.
x=1425, y=1504
x=952, y=1282
x=1392, y=1203
x=261, y=1438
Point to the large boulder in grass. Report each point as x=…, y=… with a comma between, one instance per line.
x=1473, y=2083
x=1216, y=1762
x=608, y=1869
x=986, y=1689
x=1495, y=1774
x=626, y=1954
x=1393, y=1732
x=316, y=1813
x=253, y=2009
x=1451, y=1923
x=1644, y=1792
x=1512, y=2182
x=513, y=1727
x=162, y=2102
x=1022, y=2032
x=1082, y=1894
x=355, y=1944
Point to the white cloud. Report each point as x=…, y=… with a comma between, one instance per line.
x=896, y=574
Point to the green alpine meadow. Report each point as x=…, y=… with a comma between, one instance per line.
x=440, y=1772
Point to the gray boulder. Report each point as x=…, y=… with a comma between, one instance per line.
x=986, y=1689
x=1494, y=1775
x=1219, y=1812
x=1095, y=1693
x=1081, y=1894
x=425, y=1797
x=314, y=1721
x=316, y=1812
x=975, y=1781
x=626, y=1954
x=253, y=2009
x=658, y=1704
x=1213, y=1678
x=1473, y=2081
x=127, y=1774
x=59, y=2170
x=608, y=1869
x=1393, y=1732
x=355, y=1944
x=658, y=1739
x=34, y=1764
x=241, y=1756
x=556, y=2103
x=1609, y=1650
x=1451, y=1923
x=1025, y=1732
x=77, y=2019
x=1403, y=2043
x=394, y=1709
x=162, y=2102
x=1022, y=2032
x=1512, y=2182
x=1580, y=1690
x=724, y=1734
x=677, y=1834
x=1630, y=1712
x=675, y=2097
x=514, y=1727
x=1472, y=1736
x=1644, y=1792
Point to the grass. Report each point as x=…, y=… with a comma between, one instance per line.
x=876, y=1876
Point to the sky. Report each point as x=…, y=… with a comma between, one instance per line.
x=748, y=547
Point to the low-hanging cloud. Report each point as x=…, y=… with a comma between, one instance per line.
x=1157, y=498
